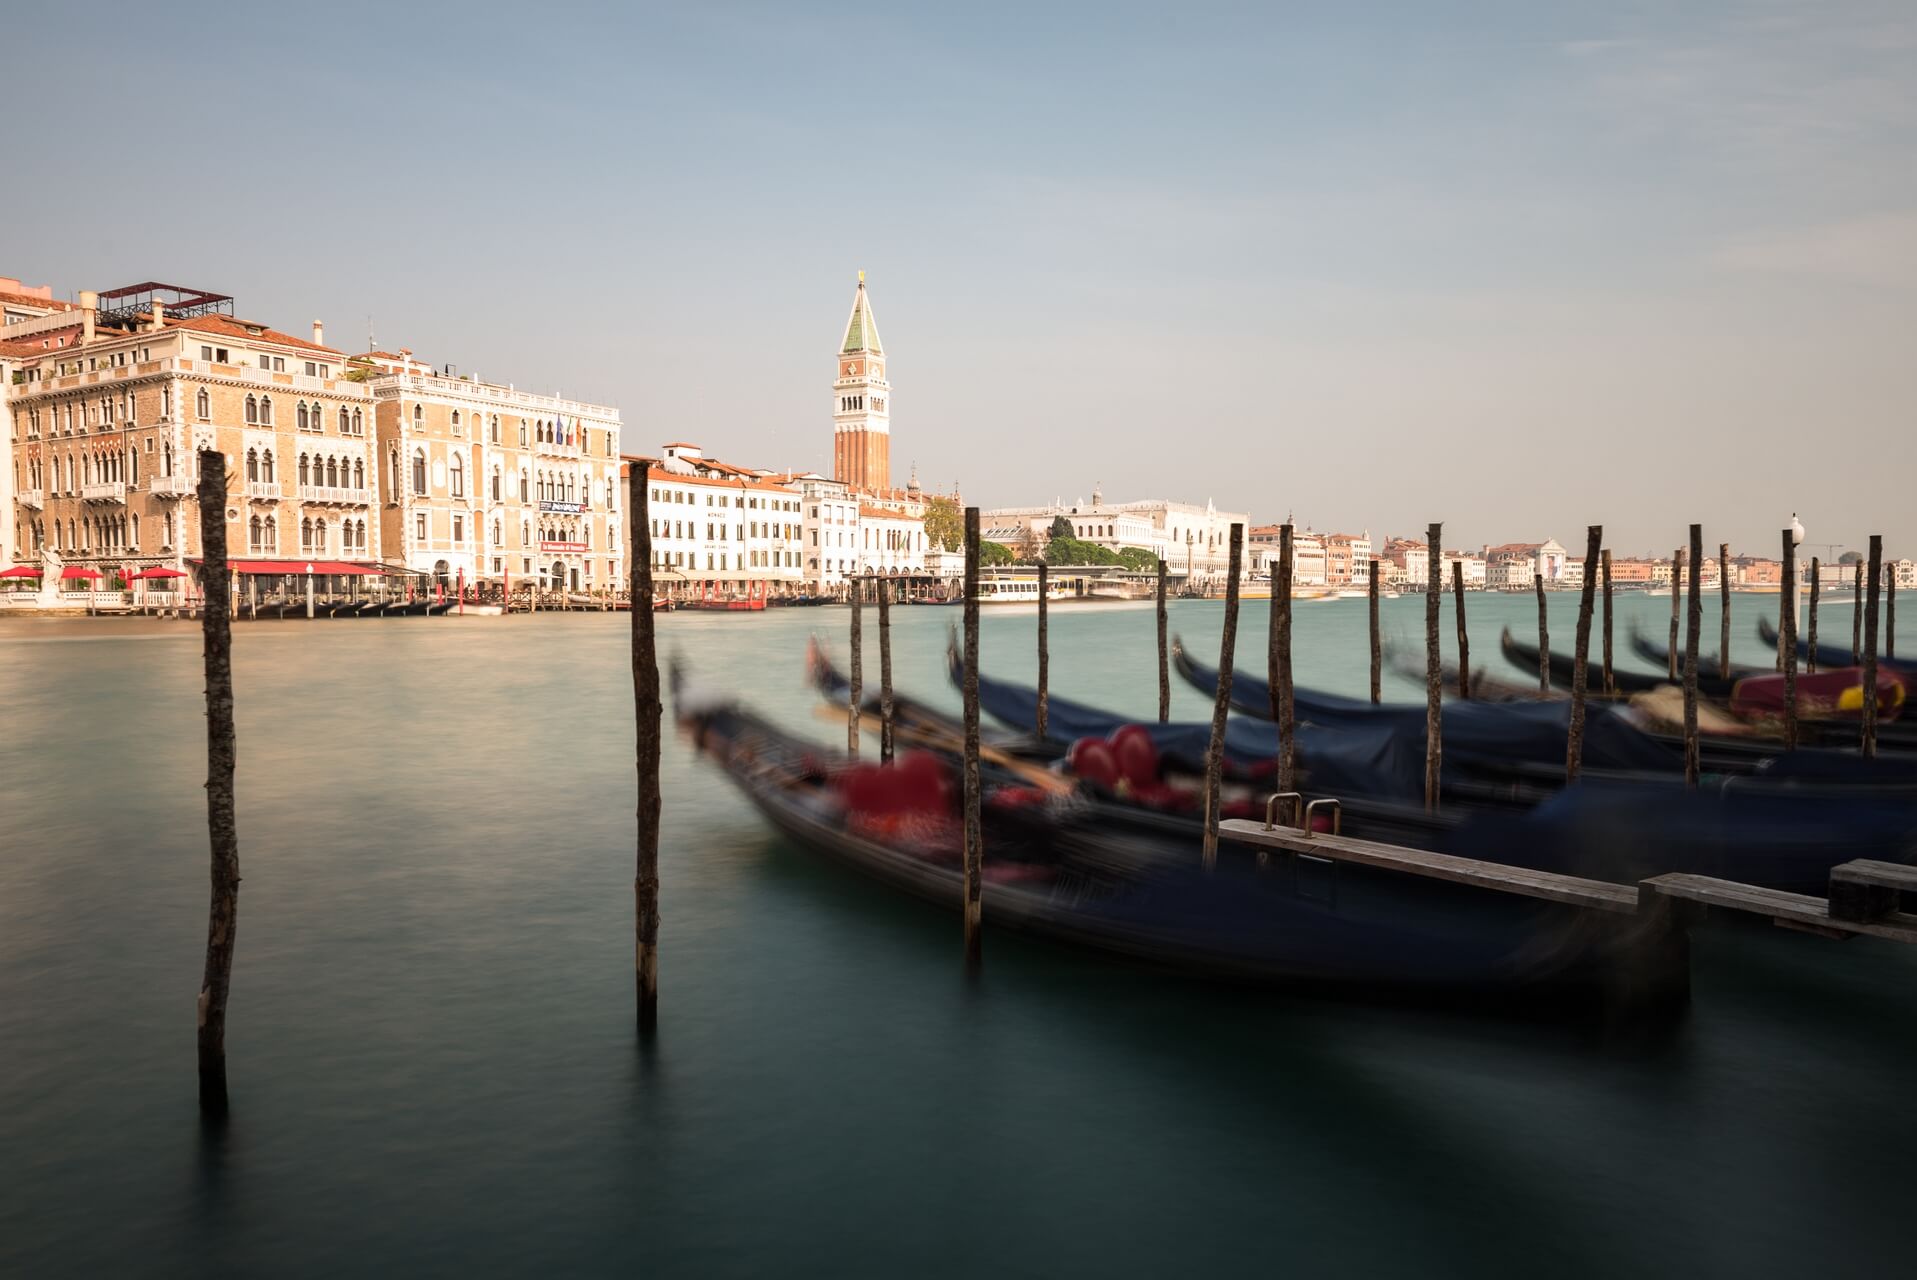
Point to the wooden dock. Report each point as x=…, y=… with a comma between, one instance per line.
x=1863, y=900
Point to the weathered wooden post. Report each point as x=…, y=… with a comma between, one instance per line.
x=1857, y=615
x=1433, y=667
x=974, y=829
x=885, y=672
x=1870, y=644
x=855, y=595
x=1221, y=705
x=1787, y=644
x=1610, y=681
x=1581, y=654
x=1890, y=611
x=222, y=754
x=1164, y=661
x=1677, y=593
x=1044, y=657
x=1810, y=639
x=1724, y=611
x=646, y=714
x=1544, y=640
x=1283, y=703
x=1377, y=650
x=1694, y=625
x=1464, y=638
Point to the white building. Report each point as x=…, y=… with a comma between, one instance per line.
x=1193, y=541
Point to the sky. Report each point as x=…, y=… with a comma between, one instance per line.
x=1521, y=268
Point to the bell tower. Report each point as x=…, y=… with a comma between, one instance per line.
x=861, y=413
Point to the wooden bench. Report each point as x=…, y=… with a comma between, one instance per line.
x=1869, y=890
x=1598, y=895
x=1791, y=910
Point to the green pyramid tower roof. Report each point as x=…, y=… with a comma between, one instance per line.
x=861, y=332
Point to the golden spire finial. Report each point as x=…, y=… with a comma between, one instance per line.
x=861, y=275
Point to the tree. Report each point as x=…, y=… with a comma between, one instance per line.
x=944, y=523
x=993, y=553
x=1850, y=557
x=1061, y=528
x=1027, y=546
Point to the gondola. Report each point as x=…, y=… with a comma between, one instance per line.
x=1564, y=668
x=1082, y=878
x=1831, y=657
x=1710, y=682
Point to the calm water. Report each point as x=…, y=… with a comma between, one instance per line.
x=434, y=1070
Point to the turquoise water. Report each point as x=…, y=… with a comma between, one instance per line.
x=434, y=1069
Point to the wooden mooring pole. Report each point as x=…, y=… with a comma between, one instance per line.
x=1433, y=666
x=1610, y=681
x=1787, y=643
x=885, y=671
x=1221, y=705
x=1693, y=625
x=1377, y=648
x=646, y=714
x=974, y=830
x=1876, y=575
x=1857, y=615
x=222, y=754
x=1890, y=611
x=1724, y=611
x=1164, y=659
x=1810, y=638
x=1283, y=701
x=1544, y=641
x=855, y=593
x=1581, y=653
x=1044, y=656
x=1677, y=594
x=1464, y=637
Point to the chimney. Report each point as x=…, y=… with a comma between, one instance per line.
x=89, y=303
x=319, y=334
x=159, y=316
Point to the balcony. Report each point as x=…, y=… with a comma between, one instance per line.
x=263, y=490
x=169, y=486
x=104, y=491
x=329, y=495
x=30, y=498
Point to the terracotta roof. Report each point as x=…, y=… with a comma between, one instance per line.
x=1515, y=548
x=884, y=513
x=31, y=300
x=674, y=477
x=231, y=328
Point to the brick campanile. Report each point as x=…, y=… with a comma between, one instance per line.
x=861, y=414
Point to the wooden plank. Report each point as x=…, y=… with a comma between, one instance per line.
x=1891, y=875
x=1793, y=910
x=1595, y=894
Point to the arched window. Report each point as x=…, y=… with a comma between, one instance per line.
x=496, y=482
x=458, y=477
x=419, y=471
x=419, y=415
x=523, y=496
x=270, y=530
x=306, y=534
x=133, y=466
x=319, y=536
x=359, y=474
x=203, y=404
x=252, y=464
x=266, y=465
x=455, y=422
x=306, y=475
x=345, y=423
x=252, y=411
x=266, y=411
x=253, y=533
x=299, y=415
x=332, y=473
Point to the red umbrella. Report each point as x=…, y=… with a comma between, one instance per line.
x=157, y=571
x=20, y=571
x=78, y=571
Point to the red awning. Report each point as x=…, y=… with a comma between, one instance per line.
x=157, y=571
x=302, y=567
x=73, y=571
x=20, y=571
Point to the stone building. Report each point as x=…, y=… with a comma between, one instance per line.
x=483, y=483
x=113, y=399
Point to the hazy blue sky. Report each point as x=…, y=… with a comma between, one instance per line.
x=1514, y=266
